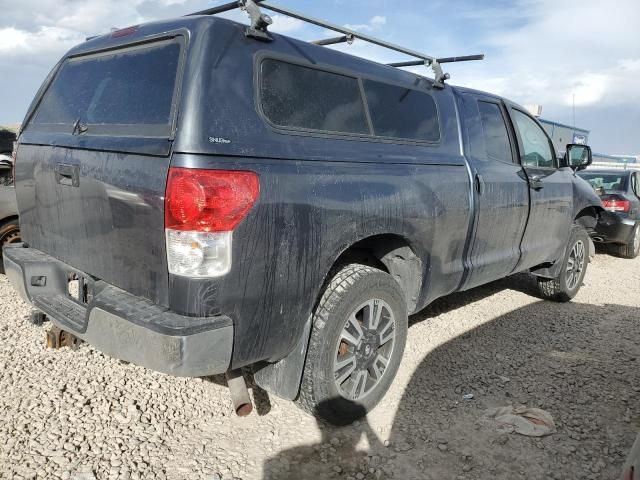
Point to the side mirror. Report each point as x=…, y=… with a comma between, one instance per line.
x=578, y=157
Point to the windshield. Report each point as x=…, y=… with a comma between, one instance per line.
x=609, y=182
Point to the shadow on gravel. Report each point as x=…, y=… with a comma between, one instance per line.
x=522, y=282
x=579, y=362
x=335, y=456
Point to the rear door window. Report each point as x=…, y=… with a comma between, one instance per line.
x=122, y=92
x=495, y=133
x=399, y=112
x=298, y=97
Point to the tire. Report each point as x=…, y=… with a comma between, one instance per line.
x=355, y=292
x=574, y=267
x=632, y=249
x=9, y=233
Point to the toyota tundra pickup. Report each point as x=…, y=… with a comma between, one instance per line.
x=197, y=200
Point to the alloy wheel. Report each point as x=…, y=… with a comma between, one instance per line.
x=575, y=264
x=364, y=349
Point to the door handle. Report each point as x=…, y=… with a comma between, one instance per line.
x=536, y=183
x=479, y=184
x=68, y=175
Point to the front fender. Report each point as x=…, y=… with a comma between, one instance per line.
x=584, y=197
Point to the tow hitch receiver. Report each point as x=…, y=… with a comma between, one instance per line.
x=58, y=338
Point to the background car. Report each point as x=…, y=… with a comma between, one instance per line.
x=619, y=226
x=9, y=227
x=7, y=138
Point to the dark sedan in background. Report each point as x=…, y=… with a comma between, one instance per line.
x=619, y=226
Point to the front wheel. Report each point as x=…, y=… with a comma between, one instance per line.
x=358, y=338
x=9, y=233
x=574, y=267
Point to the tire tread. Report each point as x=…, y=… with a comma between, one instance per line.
x=345, y=278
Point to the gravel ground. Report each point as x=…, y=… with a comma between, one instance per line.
x=79, y=414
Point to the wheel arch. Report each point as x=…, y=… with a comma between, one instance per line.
x=588, y=217
x=391, y=253
x=8, y=219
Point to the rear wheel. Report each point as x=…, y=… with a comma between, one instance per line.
x=574, y=267
x=9, y=233
x=632, y=248
x=358, y=338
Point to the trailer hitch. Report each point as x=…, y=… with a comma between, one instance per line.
x=58, y=338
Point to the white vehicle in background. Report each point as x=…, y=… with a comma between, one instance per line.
x=9, y=226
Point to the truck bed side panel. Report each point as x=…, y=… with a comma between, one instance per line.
x=308, y=214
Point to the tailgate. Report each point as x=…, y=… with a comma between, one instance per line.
x=92, y=165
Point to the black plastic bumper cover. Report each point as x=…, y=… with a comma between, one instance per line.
x=613, y=228
x=119, y=324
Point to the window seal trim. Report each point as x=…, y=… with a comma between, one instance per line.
x=260, y=56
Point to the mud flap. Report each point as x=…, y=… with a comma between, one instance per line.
x=283, y=378
x=592, y=250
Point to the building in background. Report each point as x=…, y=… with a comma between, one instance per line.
x=562, y=134
x=621, y=159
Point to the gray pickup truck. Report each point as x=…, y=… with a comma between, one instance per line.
x=197, y=197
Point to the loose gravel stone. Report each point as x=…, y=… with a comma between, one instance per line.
x=81, y=415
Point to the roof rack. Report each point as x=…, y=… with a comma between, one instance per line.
x=261, y=21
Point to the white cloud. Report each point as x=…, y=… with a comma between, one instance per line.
x=558, y=50
x=286, y=25
x=16, y=43
x=378, y=21
x=374, y=23
x=12, y=39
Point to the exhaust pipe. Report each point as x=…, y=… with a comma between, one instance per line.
x=239, y=393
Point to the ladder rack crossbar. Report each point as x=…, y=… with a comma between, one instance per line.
x=415, y=63
x=260, y=22
x=346, y=31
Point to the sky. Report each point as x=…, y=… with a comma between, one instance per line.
x=555, y=53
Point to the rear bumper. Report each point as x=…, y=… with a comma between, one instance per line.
x=613, y=228
x=119, y=324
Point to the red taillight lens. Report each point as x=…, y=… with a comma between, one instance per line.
x=123, y=32
x=209, y=200
x=615, y=205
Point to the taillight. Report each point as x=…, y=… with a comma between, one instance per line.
x=123, y=32
x=202, y=208
x=616, y=205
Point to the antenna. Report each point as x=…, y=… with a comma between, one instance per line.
x=260, y=23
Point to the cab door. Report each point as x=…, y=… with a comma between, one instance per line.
x=550, y=193
x=500, y=190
